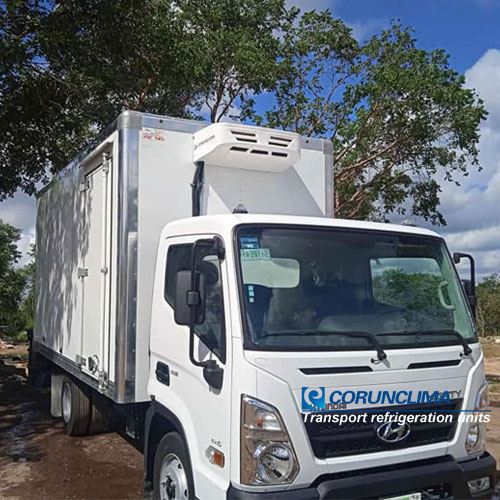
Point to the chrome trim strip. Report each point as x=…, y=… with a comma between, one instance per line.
x=126, y=266
x=329, y=184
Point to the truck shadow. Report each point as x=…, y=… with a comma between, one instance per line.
x=24, y=414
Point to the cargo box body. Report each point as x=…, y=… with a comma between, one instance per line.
x=100, y=219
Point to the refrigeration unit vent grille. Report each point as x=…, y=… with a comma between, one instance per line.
x=245, y=147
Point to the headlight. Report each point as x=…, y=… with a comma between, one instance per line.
x=475, y=441
x=267, y=455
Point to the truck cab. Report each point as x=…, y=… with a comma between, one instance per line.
x=264, y=327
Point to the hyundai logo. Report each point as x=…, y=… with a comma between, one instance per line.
x=393, y=432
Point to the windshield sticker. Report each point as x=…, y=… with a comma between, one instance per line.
x=255, y=254
x=251, y=294
x=249, y=242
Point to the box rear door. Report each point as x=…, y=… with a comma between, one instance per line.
x=95, y=272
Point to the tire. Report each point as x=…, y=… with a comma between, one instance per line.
x=75, y=405
x=99, y=416
x=172, y=470
x=38, y=370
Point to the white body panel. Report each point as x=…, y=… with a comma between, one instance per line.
x=97, y=236
x=96, y=262
x=204, y=413
x=74, y=227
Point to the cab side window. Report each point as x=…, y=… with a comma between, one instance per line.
x=212, y=331
x=178, y=259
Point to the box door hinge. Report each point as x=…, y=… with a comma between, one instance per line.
x=83, y=272
x=106, y=161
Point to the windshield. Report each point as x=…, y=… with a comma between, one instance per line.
x=313, y=289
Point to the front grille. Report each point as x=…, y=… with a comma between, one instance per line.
x=333, y=440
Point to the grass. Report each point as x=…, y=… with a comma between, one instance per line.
x=20, y=350
x=494, y=391
x=491, y=350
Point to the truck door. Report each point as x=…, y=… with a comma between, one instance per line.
x=95, y=271
x=175, y=381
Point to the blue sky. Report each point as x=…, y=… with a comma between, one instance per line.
x=469, y=31
x=464, y=28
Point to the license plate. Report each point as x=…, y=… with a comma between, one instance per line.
x=409, y=496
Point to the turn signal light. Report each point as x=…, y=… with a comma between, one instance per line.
x=215, y=456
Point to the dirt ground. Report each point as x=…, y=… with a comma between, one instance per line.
x=38, y=460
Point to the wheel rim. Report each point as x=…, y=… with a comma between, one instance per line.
x=66, y=403
x=173, y=479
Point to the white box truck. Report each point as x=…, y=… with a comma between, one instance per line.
x=194, y=289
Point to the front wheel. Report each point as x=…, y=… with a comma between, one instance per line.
x=173, y=477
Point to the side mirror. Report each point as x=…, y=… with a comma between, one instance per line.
x=185, y=299
x=213, y=374
x=470, y=284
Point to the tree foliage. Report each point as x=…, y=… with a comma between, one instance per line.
x=413, y=291
x=399, y=116
x=69, y=68
x=12, y=281
x=488, y=306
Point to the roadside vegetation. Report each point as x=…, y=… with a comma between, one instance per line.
x=488, y=306
x=16, y=288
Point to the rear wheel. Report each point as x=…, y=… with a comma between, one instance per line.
x=75, y=405
x=99, y=415
x=173, y=478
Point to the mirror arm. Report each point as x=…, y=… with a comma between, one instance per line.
x=193, y=308
x=210, y=364
x=191, y=349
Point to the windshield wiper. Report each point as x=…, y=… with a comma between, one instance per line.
x=457, y=335
x=381, y=355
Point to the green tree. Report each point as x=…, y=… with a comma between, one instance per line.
x=71, y=67
x=488, y=306
x=28, y=302
x=12, y=281
x=412, y=291
x=236, y=48
x=399, y=116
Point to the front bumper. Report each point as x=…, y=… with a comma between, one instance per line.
x=444, y=475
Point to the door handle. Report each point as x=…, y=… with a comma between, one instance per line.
x=162, y=373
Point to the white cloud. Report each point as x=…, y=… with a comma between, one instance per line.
x=307, y=5
x=362, y=30
x=472, y=210
x=19, y=211
x=484, y=77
